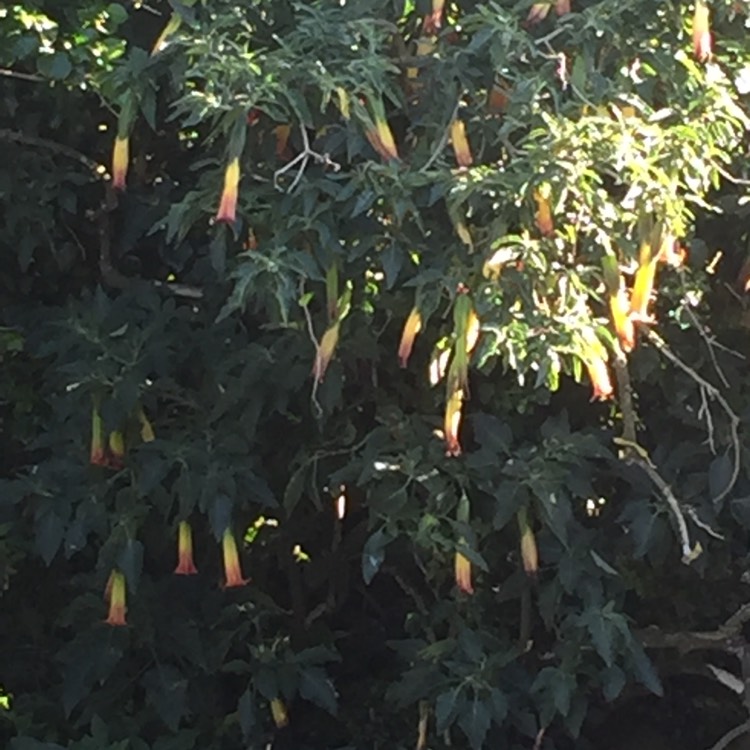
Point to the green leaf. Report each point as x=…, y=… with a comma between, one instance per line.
x=314, y=686
x=50, y=531
x=446, y=708
x=246, y=713
x=166, y=691
x=130, y=562
x=613, y=681
x=475, y=722
x=56, y=66
x=719, y=476
x=373, y=554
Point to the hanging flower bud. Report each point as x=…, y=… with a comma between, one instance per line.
x=599, y=374
x=98, y=456
x=543, y=216
x=116, y=449
x=466, y=334
x=279, y=713
x=147, y=430
x=185, y=564
x=115, y=593
x=325, y=352
x=460, y=143
x=228, y=205
x=562, y=7
x=463, y=573
x=434, y=21
x=412, y=327
x=498, y=97
x=529, y=552
x=232, y=569
x=343, y=102
x=452, y=423
x=702, y=46
x=120, y=159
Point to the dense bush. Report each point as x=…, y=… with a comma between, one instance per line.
x=324, y=289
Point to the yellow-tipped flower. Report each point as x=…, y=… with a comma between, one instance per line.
x=174, y=23
x=463, y=573
x=439, y=362
x=543, y=216
x=434, y=21
x=325, y=352
x=115, y=593
x=412, y=327
x=619, y=308
x=279, y=713
x=702, y=46
x=460, y=143
x=228, y=205
x=185, y=564
x=98, y=456
x=232, y=568
x=452, y=423
x=120, y=159
x=600, y=380
x=529, y=552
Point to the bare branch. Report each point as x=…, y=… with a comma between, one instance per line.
x=732, y=735
x=715, y=395
x=304, y=158
x=56, y=148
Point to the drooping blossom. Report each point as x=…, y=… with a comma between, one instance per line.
x=702, y=44
x=279, y=713
x=97, y=456
x=120, y=159
x=228, y=204
x=185, y=564
x=325, y=351
x=434, y=20
x=412, y=327
x=529, y=551
x=452, y=423
x=463, y=573
x=232, y=569
x=460, y=143
x=115, y=594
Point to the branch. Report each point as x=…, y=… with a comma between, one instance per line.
x=731, y=736
x=304, y=157
x=56, y=148
x=633, y=453
x=7, y=73
x=715, y=395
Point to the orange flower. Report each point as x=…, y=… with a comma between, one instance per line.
x=412, y=327
x=115, y=592
x=228, y=205
x=543, y=216
x=434, y=20
x=702, y=47
x=498, y=97
x=325, y=352
x=279, y=713
x=529, y=552
x=460, y=143
x=120, y=158
x=562, y=7
x=97, y=456
x=232, y=569
x=185, y=564
x=452, y=423
x=463, y=573
x=600, y=381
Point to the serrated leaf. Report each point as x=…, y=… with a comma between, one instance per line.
x=314, y=686
x=475, y=722
x=446, y=708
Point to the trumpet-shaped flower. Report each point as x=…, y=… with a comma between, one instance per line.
x=412, y=327
x=463, y=573
x=232, y=568
x=116, y=449
x=228, y=204
x=98, y=456
x=120, y=159
x=702, y=45
x=460, y=143
x=325, y=352
x=452, y=423
x=434, y=20
x=543, y=216
x=185, y=564
x=115, y=593
x=279, y=713
x=529, y=552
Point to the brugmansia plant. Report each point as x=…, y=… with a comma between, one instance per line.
x=430, y=315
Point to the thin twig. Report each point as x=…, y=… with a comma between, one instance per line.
x=57, y=148
x=443, y=139
x=693, y=515
x=714, y=394
x=7, y=73
x=706, y=411
x=710, y=342
x=731, y=736
x=303, y=157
